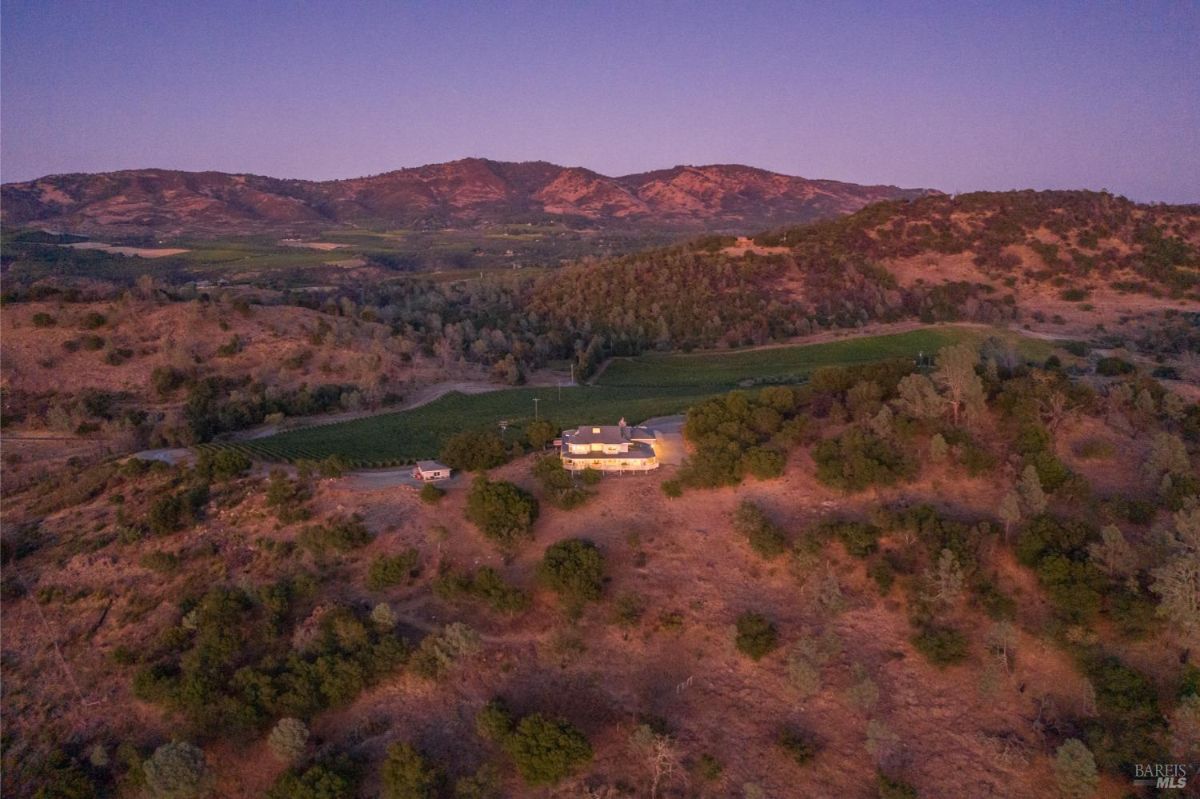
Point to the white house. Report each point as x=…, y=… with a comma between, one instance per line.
x=609, y=448
x=429, y=471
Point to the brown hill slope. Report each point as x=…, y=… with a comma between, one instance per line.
x=466, y=192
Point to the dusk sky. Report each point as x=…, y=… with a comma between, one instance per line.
x=957, y=96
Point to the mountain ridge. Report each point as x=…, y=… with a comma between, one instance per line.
x=466, y=192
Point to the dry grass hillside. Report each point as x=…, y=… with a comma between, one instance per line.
x=127, y=624
x=81, y=379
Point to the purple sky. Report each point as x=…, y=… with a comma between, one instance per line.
x=954, y=95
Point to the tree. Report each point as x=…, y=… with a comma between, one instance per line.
x=938, y=449
x=756, y=635
x=659, y=753
x=504, y=512
x=1112, y=553
x=406, y=775
x=384, y=617
x=1185, y=729
x=546, y=750
x=946, y=582
x=1177, y=581
x=954, y=373
x=1010, y=511
x=540, y=433
x=574, y=568
x=474, y=450
x=288, y=740
x=1075, y=770
x=1033, y=498
x=919, y=398
x=176, y=770
x=1168, y=456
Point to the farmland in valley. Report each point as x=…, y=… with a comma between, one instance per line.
x=634, y=388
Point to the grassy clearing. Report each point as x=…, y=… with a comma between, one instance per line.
x=636, y=388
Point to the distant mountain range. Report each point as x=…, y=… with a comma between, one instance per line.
x=468, y=192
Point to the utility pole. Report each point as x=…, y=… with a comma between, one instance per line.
x=536, y=400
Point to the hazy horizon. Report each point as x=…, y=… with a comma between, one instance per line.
x=945, y=96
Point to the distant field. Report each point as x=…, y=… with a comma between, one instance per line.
x=773, y=364
x=636, y=388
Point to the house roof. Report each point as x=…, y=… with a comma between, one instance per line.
x=432, y=466
x=598, y=434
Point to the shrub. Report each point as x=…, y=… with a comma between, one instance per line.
x=224, y=464
x=231, y=347
x=502, y=511
x=1058, y=550
x=574, y=568
x=629, y=609
x=326, y=780
x=1094, y=449
x=176, y=770
x=942, y=646
x=890, y=788
x=857, y=459
x=438, y=652
x=484, y=584
x=763, y=463
x=333, y=466
x=859, y=538
x=406, y=775
x=431, y=494
x=289, y=740
x=176, y=512
x=1114, y=367
x=92, y=320
x=42, y=319
x=672, y=488
x=162, y=562
x=799, y=746
x=708, y=768
x=883, y=574
x=1129, y=726
x=387, y=571
x=288, y=497
x=494, y=722
x=546, y=751
x=166, y=380
x=341, y=533
x=756, y=635
x=765, y=537
x=558, y=483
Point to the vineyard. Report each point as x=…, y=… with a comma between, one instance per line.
x=633, y=388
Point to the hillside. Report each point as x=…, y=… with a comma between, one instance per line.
x=849, y=589
x=472, y=191
x=1073, y=262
